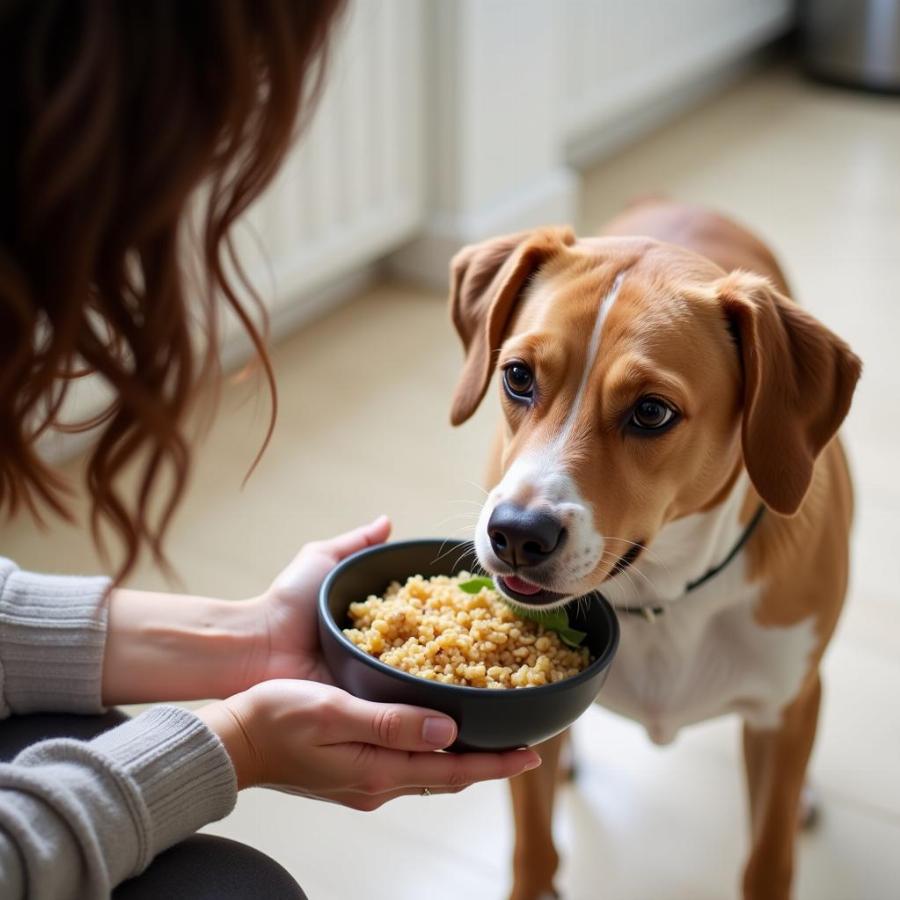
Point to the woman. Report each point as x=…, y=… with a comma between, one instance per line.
x=115, y=114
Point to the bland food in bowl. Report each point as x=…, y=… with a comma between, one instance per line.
x=458, y=630
x=487, y=719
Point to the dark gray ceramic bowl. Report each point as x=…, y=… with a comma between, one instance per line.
x=487, y=719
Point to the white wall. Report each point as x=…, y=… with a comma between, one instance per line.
x=492, y=98
x=619, y=56
x=523, y=90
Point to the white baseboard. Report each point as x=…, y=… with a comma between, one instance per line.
x=424, y=260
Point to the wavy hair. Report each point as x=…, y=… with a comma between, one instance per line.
x=122, y=120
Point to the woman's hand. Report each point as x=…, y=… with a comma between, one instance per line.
x=319, y=741
x=288, y=645
x=176, y=647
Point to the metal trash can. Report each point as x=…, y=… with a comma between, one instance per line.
x=854, y=42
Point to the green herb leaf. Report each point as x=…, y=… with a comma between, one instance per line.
x=553, y=620
x=474, y=585
x=572, y=636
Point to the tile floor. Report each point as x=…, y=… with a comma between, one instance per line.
x=363, y=428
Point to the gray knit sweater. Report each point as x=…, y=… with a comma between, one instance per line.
x=76, y=818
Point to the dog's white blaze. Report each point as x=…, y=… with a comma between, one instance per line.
x=593, y=350
x=540, y=479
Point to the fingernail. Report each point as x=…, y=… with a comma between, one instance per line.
x=532, y=763
x=438, y=731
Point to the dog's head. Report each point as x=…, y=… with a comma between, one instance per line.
x=637, y=380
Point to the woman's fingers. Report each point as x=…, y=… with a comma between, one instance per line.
x=392, y=726
x=369, y=802
x=329, y=744
x=390, y=738
x=452, y=770
x=387, y=771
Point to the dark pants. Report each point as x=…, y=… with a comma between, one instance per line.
x=203, y=867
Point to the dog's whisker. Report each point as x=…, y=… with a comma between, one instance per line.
x=644, y=547
x=470, y=521
x=628, y=582
x=478, y=487
x=582, y=604
x=465, y=550
x=629, y=573
x=651, y=554
x=441, y=550
x=633, y=571
x=632, y=584
x=456, y=545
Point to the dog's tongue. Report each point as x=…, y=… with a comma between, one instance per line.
x=520, y=586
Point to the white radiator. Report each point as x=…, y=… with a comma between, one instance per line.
x=352, y=188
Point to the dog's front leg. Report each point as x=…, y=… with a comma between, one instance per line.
x=535, y=858
x=776, y=768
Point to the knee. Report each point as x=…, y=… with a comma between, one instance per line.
x=206, y=867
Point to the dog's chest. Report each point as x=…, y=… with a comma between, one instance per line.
x=704, y=657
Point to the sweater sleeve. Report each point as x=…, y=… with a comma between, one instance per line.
x=52, y=638
x=77, y=818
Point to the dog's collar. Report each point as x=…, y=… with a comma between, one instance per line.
x=650, y=613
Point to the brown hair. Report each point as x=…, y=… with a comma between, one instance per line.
x=114, y=113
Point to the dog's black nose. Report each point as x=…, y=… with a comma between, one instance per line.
x=523, y=537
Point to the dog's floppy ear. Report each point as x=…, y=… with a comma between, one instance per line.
x=485, y=282
x=799, y=379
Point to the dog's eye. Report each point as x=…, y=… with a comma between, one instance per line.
x=518, y=380
x=651, y=414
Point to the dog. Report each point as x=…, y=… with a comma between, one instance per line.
x=668, y=440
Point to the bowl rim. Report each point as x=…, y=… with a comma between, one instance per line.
x=602, y=662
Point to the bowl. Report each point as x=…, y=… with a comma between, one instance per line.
x=488, y=719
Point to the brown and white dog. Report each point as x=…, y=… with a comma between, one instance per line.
x=668, y=440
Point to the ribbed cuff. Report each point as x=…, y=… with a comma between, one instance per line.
x=177, y=774
x=52, y=638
